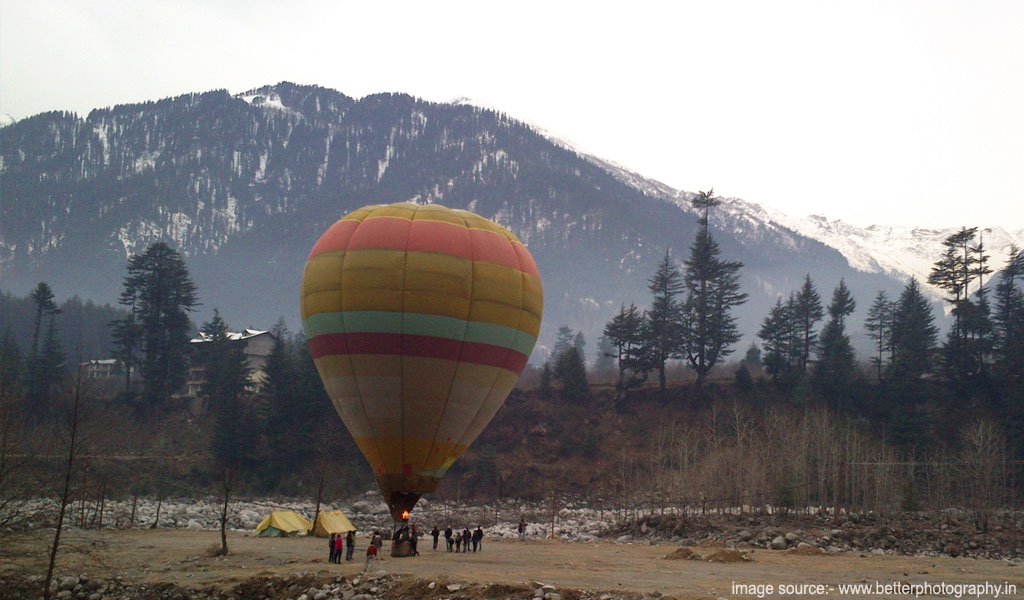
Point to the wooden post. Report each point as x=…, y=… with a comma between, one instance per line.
x=554, y=514
x=103, y=502
x=840, y=483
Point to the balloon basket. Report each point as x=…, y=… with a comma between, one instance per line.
x=401, y=549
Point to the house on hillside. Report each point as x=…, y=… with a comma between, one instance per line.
x=101, y=369
x=258, y=345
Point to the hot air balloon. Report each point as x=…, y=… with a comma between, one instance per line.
x=420, y=320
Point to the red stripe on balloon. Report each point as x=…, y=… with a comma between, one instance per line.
x=395, y=233
x=335, y=238
x=422, y=346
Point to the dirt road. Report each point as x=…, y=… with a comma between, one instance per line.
x=183, y=557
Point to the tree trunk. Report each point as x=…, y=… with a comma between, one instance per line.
x=65, y=493
x=224, y=513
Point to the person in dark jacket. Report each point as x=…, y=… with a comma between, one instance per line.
x=434, y=533
x=330, y=546
x=448, y=537
x=350, y=544
x=466, y=537
x=478, y=539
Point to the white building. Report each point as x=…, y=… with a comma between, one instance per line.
x=258, y=345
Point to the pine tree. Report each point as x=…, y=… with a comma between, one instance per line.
x=712, y=291
x=570, y=371
x=776, y=337
x=625, y=333
x=835, y=369
x=164, y=294
x=563, y=342
x=752, y=357
x=126, y=333
x=913, y=334
x=807, y=312
x=604, y=360
x=226, y=377
x=1008, y=318
x=42, y=296
x=970, y=339
x=283, y=424
x=879, y=328
x=47, y=371
x=663, y=333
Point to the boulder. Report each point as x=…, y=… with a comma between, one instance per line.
x=779, y=543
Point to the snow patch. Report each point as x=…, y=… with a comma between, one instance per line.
x=268, y=100
x=146, y=161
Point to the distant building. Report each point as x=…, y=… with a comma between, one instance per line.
x=101, y=370
x=258, y=345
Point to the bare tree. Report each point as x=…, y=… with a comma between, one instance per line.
x=67, y=433
x=985, y=456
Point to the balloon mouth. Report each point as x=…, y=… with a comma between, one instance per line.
x=400, y=504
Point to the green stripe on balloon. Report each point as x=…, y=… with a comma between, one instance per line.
x=419, y=324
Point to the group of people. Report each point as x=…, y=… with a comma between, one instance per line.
x=455, y=541
x=460, y=541
x=338, y=544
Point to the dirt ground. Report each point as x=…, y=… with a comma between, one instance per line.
x=184, y=557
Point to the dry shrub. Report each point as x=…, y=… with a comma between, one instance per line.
x=728, y=555
x=682, y=554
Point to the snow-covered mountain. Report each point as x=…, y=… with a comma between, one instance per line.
x=244, y=184
x=899, y=252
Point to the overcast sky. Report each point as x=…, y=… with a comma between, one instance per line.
x=894, y=112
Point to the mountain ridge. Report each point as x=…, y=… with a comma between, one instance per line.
x=243, y=185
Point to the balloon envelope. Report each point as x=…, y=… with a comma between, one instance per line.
x=420, y=320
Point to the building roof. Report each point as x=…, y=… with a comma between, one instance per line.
x=231, y=335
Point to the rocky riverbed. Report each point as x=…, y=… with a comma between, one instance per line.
x=301, y=586
x=947, y=533
x=951, y=533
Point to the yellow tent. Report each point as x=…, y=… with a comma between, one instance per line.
x=332, y=522
x=281, y=523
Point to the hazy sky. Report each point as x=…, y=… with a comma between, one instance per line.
x=895, y=112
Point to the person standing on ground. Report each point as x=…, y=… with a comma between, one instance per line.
x=414, y=536
x=522, y=530
x=377, y=540
x=478, y=539
x=448, y=537
x=434, y=533
x=339, y=547
x=330, y=547
x=458, y=542
x=466, y=537
x=371, y=555
x=350, y=544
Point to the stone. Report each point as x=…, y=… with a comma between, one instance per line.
x=453, y=587
x=791, y=537
x=320, y=596
x=552, y=596
x=779, y=543
x=433, y=584
x=67, y=583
